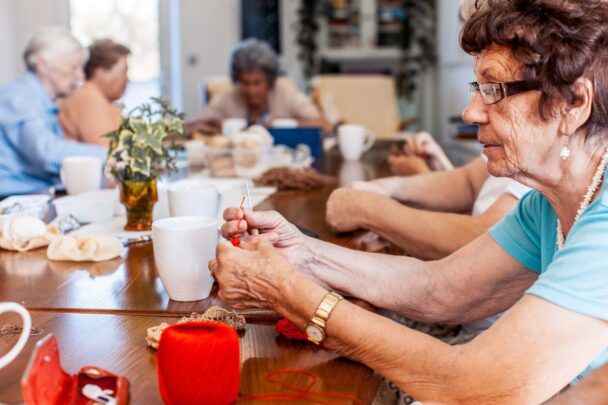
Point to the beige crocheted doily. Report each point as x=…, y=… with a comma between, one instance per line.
x=213, y=314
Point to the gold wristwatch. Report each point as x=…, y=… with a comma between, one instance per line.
x=315, y=330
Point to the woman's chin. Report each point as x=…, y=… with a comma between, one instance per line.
x=498, y=168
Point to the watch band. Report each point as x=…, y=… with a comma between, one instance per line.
x=322, y=314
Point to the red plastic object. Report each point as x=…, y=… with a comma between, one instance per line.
x=44, y=381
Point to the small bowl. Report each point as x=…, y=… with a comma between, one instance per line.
x=86, y=209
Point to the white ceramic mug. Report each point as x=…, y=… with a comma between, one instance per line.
x=183, y=247
x=25, y=333
x=232, y=126
x=191, y=198
x=284, y=123
x=354, y=140
x=80, y=174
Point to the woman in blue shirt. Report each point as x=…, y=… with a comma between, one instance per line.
x=31, y=141
x=541, y=103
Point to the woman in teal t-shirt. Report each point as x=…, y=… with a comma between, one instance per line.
x=541, y=103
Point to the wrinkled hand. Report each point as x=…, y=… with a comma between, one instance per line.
x=250, y=276
x=407, y=165
x=346, y=209
x=273, y=227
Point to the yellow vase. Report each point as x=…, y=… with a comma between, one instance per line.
x=139, y=198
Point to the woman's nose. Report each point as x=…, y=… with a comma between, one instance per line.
x=476, y=111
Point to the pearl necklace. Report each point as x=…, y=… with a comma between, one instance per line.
x=595, y=183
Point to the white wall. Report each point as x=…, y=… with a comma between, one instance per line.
x=209, y=30
x=455, y=71
x=19, y=20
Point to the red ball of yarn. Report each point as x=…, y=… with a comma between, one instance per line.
x=290, y=330
x=198, y=363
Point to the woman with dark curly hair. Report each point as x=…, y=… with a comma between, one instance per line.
x=541, y=103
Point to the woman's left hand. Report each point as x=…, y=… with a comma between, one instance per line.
x=250, y=276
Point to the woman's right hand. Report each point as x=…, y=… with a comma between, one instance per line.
x=423, y=145
x=274, y=228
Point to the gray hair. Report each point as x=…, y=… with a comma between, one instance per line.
x=251, y=55
x=50, y=43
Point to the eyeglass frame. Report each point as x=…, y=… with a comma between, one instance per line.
x=507, y=89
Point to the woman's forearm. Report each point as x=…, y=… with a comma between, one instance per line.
x=501, y=366
x=396, y=283
x=427, y=235
x=419, y=363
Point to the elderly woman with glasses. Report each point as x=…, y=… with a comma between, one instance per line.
x=541, y=106
x=259, y=95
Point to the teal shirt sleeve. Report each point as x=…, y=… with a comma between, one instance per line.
x=519, y=232
x=577, y=278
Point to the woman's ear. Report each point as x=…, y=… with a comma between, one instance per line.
x=574, y=115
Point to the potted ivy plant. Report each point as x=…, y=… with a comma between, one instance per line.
x=140, y=149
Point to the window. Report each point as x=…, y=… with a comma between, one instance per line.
x=134, y=23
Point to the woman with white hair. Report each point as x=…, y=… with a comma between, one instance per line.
x=31, y=141
x=259, y=96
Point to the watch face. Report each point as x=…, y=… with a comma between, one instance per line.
x=314, y=333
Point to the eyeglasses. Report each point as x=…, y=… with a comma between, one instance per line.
x=492, y=93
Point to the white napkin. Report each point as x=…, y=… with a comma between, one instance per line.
x=24, y=233
x=84, y=249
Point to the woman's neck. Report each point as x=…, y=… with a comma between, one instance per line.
x=50, y=89
x=566, y=189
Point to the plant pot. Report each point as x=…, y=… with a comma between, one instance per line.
x=139, y=198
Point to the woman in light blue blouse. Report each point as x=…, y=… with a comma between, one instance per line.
x=541, y=103
x=31, y=141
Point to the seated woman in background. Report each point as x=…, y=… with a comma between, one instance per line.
x=257, y=95
x=88, y=114
x=31, y=141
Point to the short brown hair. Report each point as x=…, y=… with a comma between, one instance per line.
x=556, y=41
x=104, y=53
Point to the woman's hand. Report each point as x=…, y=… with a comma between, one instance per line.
x=347, y=209
x=251, y=275
x=407, y=165
x=423, y=145
x=273, y=228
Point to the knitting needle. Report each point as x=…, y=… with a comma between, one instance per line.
x=252, y=231
x=235, y=240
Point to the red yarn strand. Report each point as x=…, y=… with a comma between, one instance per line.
x=302, y=393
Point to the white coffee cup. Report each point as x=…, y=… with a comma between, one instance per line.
x=25, y=333
x=183, y=247
x=232, y=126
x=284, y=123
x=354, y=140
x=191, y=198
x=80, y=174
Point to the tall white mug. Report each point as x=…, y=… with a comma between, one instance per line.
x=183, y=247
x=191, y=198
x=354, y=140
x=80, y=174
x=25, y=333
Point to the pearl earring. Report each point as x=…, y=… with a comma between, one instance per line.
x=565, y=153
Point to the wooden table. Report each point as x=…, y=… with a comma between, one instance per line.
x=100, y=312
x=117, y=344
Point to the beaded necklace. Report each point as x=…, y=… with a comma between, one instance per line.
x=595, y=183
